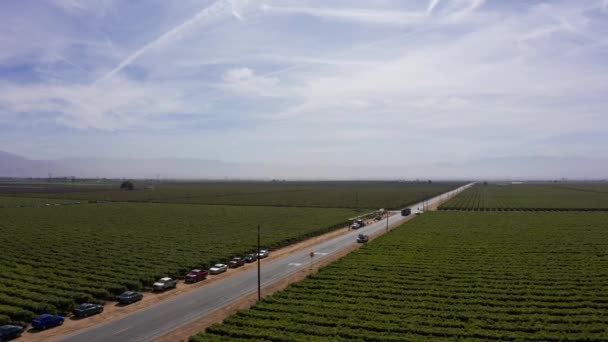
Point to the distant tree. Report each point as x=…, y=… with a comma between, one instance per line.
x=430, y=182
x=485, y=183
x=127, y=185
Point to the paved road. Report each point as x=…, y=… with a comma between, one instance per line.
x=168, y=316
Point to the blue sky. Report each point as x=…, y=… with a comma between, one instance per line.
x=304, y=81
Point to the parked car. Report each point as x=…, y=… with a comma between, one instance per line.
x=164, y=284
x=46, y=321
x=362, y=238
x=87, y=309
x=236, y=262
x=196, y=275
x=129, y=297
x=9, y=332
x=218, y=268
x=406, y=212
x=251, y=257
x=263, y=253
x=355, y=225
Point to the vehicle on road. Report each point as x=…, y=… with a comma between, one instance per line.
x=196, y=275
x=164, y=284
x=87, y=309
x=251, y=258
x=46, y=321
x=9, y=332
x=218, y=268
x=362, y=238
x=419, y=212
x=406, y=212
x=263, y=253
x=236, y=262
x=129, y=297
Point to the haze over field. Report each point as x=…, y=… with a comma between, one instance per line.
x=304, y=89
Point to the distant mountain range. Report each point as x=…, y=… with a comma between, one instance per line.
x=512, y=168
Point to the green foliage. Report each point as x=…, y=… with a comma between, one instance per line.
x=55, y=257
x=449, y=276
x=557, y=197
x=368, y=195
x=14, y=202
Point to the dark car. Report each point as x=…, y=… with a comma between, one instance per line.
x=196, y=275
x=46, y=321
x=236, y=262
x=250, y=258
x=9, y=332
x=129, y=297
x=87, y=309
x=362, y=238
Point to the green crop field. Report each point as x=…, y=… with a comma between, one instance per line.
x=532, y=197
x=369, y=195
x=53, y=257
x=450, y=276
x=11, y=202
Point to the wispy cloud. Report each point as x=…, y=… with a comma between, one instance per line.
x=217, y=10
x=257, y=79
x=432, y=5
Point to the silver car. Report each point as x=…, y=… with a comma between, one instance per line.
x=218, y=268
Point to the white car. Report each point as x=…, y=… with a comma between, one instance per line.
x=263, y=253
x=218, y=268
x=164, y=284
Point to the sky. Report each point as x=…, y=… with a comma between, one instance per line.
x=301, y=82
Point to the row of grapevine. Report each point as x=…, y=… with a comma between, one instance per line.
x=530, y=197
x=449, y=276
x=363, y=195
x=56, y=257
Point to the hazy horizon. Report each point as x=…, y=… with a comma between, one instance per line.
x=311, y=83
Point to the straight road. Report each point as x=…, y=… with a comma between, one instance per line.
x=165, y=317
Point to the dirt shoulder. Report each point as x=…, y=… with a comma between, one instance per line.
x=113, y=310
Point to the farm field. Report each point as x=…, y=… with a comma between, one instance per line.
x=54, y=257
x=447, y=276
x=532, y=196
x=369, y=195
x=8, y=201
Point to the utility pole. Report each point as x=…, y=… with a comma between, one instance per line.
x=259, y=281
x=387, y=221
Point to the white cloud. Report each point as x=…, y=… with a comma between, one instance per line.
x=352, y=14
x=353, y=75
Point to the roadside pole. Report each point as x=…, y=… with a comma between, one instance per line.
x=387, y=221
x=258, y=255
x=312, y=255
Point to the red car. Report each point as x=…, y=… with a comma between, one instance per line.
x=196, y=275
x=236, y=262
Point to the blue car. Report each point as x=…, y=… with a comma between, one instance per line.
x=47, y=321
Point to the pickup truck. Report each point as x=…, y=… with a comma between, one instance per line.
x=164, y=284
x=196, y=275
x=236, y=262
x=362, y=238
